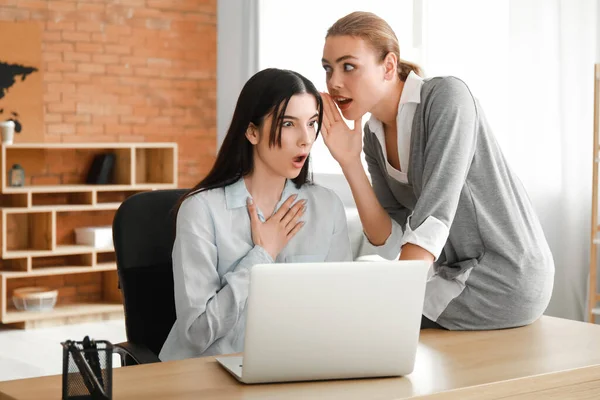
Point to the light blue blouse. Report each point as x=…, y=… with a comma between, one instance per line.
x=213, y=254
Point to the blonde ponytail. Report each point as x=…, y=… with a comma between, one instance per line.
x=406, y=67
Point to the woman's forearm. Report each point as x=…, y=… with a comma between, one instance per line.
x=413, y=252
x=376, y=222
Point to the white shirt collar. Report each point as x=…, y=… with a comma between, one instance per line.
x=236, y=194
x=412, y=89
x=411, y=93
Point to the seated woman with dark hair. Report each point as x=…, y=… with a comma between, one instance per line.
x=255, y=206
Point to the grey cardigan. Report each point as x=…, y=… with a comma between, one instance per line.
x=495, y=269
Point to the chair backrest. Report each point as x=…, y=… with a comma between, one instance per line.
x=143, y=235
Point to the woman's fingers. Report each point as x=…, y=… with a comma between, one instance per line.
x=326, y=121
x=328, y=112
x=285, y=207
x=254, y=221
x=330, y=109
x=298, y=208
x=325, y=134
x=297, y=228
x=296, y=217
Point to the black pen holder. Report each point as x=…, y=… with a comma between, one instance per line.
x=87, y=370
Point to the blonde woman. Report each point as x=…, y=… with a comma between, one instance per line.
x=441, y=189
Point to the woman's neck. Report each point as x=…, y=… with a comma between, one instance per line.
x=265, y=187
x=386, y=110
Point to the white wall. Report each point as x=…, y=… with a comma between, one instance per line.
x=236, y=56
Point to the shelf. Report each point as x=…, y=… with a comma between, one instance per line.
x=78, y=249
x=39, y=222
x=84, y=207
x=62, y=198
x=62, y=208
x=115, y=197
x=16, y=265
x=67, y=223
x=60, y=250
x=25, y=232
x=102, y=145
x=14, y=200
x=60, y=270
x=154, y=165
x=70, y=310
x=106, y=258
x=64, y=167
x=82, y=290
x=105, y=266
x=83, y=187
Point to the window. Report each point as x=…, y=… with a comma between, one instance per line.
x=470, y=39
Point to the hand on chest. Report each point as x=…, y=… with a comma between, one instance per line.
x=310, y=244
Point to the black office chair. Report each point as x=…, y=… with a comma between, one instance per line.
x=143, y=234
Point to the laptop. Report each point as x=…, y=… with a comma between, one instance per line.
x=323, y=321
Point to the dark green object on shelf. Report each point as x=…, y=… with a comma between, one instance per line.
x=16, y=176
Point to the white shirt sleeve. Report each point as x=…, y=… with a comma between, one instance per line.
x=390, y=250
x=430, y=235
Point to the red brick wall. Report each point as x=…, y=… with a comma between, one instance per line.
x=129, y=71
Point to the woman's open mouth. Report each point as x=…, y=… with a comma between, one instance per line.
x=298, y=161
x=342, y=102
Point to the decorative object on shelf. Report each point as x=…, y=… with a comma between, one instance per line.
x=101, y=170
x=34, y=298
x=7, y=129
x=99, y=237
x=16, y=176
x=87, y=369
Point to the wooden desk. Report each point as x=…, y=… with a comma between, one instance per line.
x=575, y=384
x=446, y=361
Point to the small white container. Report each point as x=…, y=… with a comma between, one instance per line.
x=99, y=237
x=34, y=298
x=7, y=131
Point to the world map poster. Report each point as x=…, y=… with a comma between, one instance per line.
x=21, y=83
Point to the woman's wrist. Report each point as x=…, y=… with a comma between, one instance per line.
x=352, y=167
x=267, y=252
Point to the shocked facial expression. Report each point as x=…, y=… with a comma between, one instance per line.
x=298, y=124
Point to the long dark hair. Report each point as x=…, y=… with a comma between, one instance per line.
x=268, y=91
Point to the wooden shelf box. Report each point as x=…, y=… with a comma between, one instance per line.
x=27, y=231
x=38, y=222
x=89, y=293
x=153, y=165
